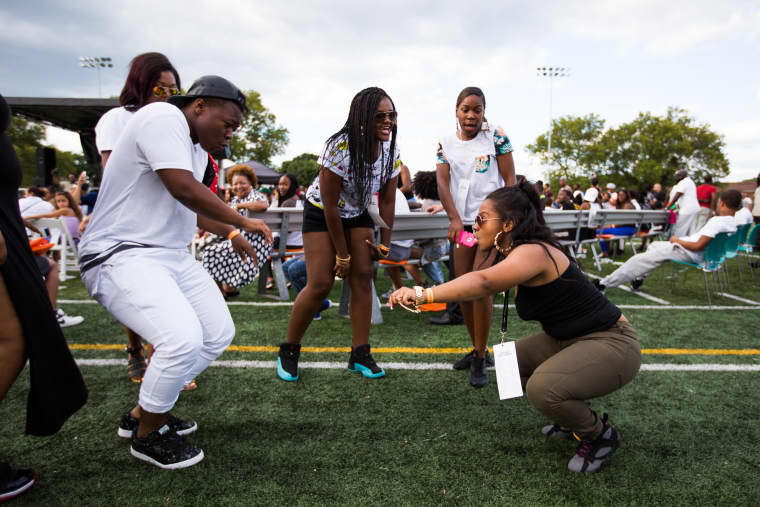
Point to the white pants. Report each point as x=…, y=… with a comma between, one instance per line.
x=640, y=265
x=166, y=297
x=702, y=217
x=686, y=224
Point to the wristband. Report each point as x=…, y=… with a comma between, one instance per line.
x=233, y=233
x=419, y=296
x=429, y=295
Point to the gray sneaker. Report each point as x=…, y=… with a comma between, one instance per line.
x=464, y=362
x=590, y=455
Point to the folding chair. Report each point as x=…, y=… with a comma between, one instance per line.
x=747, y=246
x=714, y=257
x=60, y=235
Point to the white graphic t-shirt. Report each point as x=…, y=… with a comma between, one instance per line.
x=336, y=158
x=474, y=171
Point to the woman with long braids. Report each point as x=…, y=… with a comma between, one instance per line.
x=472, y=162
x=151, y=78
x=587, y=347
x=358, y=161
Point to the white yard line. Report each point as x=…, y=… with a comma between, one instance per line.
x=326, y=365
x=738, y=298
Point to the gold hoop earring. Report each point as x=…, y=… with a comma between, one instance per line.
x=497, y=246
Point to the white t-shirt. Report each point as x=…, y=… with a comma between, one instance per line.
x=402, y=207
x=133, y=203
x=336, y=158
x=474, y=172
x=712, y=228
x=743, y=216
x=688, y=202
x=34, y=205
x=109, y=128
x=756, y=207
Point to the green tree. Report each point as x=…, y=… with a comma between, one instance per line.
x=304, y=167
x=26, y=137
x=260, y=137
x=575, y=145
x=652, y=148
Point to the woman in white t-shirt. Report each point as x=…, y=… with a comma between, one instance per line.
x=357, y=162
x=471, y=163
x=151, y=78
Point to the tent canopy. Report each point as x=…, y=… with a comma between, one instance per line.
x=265, y=174
x=78, y=115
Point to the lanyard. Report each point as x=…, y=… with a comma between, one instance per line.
x=504, y=315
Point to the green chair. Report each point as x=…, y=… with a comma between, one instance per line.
x=748, y=245
x=715, y=254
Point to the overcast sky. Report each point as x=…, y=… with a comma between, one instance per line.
x=308, y=59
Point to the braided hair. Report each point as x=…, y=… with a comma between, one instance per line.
x=359, y=130
x=521, y=205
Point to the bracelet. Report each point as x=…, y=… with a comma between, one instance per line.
x=429, y=295
x=341, y=261
x=419, y=296
x=383, y=251
x=233, y=233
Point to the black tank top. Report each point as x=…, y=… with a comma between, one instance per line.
x=567, y=307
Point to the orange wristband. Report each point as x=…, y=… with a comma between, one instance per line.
x=233, y=233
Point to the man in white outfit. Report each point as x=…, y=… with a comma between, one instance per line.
x=685, y=194
x=135, y=260
x=688, y=248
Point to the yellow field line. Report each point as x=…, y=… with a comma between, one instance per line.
x=432, y=350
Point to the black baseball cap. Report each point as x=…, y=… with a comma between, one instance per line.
x=213, y=87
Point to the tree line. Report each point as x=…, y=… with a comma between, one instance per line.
x=648, y=149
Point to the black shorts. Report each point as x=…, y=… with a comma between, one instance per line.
x=314, y=220
x=43, y=264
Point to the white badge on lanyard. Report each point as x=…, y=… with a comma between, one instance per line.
x=507, y=371
x=374, y=212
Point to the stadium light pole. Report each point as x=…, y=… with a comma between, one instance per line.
x=551, y=73
x=96, y=62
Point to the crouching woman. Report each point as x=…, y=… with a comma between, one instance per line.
x=587, y=348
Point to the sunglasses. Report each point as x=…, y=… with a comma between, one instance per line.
x=479, y=220
x=389, y=115
x=165, y=91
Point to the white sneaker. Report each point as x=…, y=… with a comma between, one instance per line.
x=66, y=320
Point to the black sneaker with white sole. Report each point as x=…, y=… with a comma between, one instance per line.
x=129, y=424
x=463, y=363
x=14, y=481
x=165, y=449
x=590, y=455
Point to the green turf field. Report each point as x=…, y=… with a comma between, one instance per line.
x=416, y=437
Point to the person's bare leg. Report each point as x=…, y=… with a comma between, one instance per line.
x=149, y=421
x=463, y=260
x=320, y=261
x=134, y=340
x=360, y=281
x=416, y=273
x=11, y=342
x=52, y=281
x=394, y=274
x=482, y=309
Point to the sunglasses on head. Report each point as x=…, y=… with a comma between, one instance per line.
x=479, y=220
x=165, y=91
x=389, y=115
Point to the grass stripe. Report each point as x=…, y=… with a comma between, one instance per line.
x=738, y=298
x=327, y=365
x=431, y=350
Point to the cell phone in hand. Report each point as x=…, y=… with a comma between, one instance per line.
x=467, y=239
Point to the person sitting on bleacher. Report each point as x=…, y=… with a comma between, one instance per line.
x=688, y=248
x=622, y=201
x=403, y=250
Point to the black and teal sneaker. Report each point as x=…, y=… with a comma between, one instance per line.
x=14, y=481
x=129, y=424
x=165, y=449
x=287, y=361
x=361, y=361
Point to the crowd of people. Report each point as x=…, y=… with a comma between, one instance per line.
x=154, y=198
